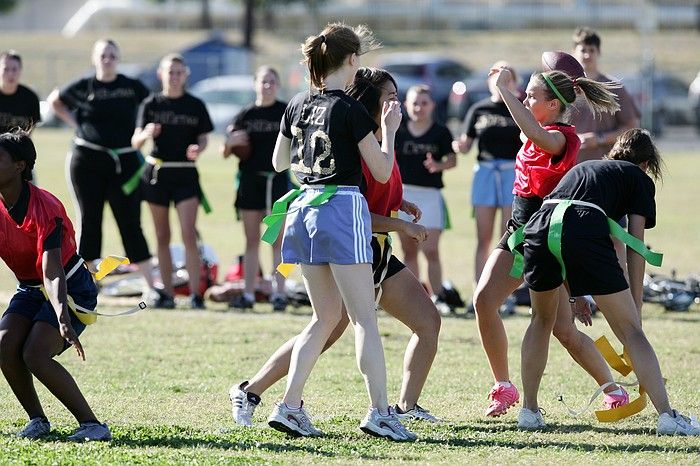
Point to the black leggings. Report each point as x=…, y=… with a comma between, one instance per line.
x=92, y=175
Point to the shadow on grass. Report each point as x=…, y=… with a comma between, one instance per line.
x=177, y=437
x=557, y=429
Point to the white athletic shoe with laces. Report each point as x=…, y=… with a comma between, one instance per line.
x=35, y=428
x=242, y=404
x=295, y=422
x=531, y=420
x=386, y=426
x=91, y=432
x=677, y=425
x=417, y=413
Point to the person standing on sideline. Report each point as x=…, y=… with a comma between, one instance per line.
x=489, y=122
x=37, y=242
x=19, y=105
x=598, y=133
x=423, y=152
x=177, y=123
x=323, y=136
x=256, y=127
x=102, y=166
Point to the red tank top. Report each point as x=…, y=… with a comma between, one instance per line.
x=382, y=199
x=21, y=246
x=538, y=172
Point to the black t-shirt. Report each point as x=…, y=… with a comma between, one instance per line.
x=182, y=120
x=20, y=109
x=411, y=152
x=498, y=135
x=620, y=188
x=262, y=125
x=105, y=112
x=325, y=129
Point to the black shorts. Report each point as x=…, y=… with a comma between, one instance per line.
x=523, y=209
x=173, y=184
x=384, y=263
x=592, y=267
x=258, y=191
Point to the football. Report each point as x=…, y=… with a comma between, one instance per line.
x=562, y=61
x=242, y=151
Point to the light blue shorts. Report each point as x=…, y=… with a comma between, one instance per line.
x=337, y=232
x=493, y=183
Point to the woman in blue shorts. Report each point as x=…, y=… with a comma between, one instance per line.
x=489, y=123
x=37, y=242
x=323, y=135
x=578, y=213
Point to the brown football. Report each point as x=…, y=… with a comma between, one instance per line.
x=242, y=151
x=562, y=61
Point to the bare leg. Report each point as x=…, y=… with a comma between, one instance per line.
x=187, y=212
x=621, y=313
x=579, y=345
x=251, y=228
x=43, y=343
x=14, y=330
x=410, y=253
x=432, y=255
x=485, y=219
x=276, y=260
x=535, y=347
x=161, y=223
x=355, y=285
x=404, y=298
x=277, y=366
x=326, y=303
x=495, y=284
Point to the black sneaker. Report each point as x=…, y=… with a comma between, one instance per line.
x=241, y=302
x=279, y=303
x=197, y=302
x=164, y=301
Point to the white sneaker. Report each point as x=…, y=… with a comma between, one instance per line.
x=417, y=413
x=243, y=404
x=35, y=428
x=387, y=426
x=677, y=425
x=531, y=420
x=295, y=422
x=91, y=432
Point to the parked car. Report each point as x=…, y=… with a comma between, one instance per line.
x=440, y=73
x=224, y=97
x=662, y=100
x=475, y=88
x=694, y=97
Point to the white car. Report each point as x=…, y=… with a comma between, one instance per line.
x=224, y=97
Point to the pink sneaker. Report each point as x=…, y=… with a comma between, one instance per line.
x=501, y=398
x=615, y=401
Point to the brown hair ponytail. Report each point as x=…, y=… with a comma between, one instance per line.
x=326, y=52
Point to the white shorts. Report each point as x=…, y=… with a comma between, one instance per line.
x=430, y=202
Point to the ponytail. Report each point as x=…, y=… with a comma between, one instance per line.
x=327, y=51
x=599, y=96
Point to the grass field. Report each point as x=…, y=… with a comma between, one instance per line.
x=160, y=379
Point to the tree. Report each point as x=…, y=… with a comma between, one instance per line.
x=8, y=5
x=205, y=21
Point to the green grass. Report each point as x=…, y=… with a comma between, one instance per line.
x=160, y=379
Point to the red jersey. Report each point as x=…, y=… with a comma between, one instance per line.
x=21, y=246
x=537, y=172
x=382, y=199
